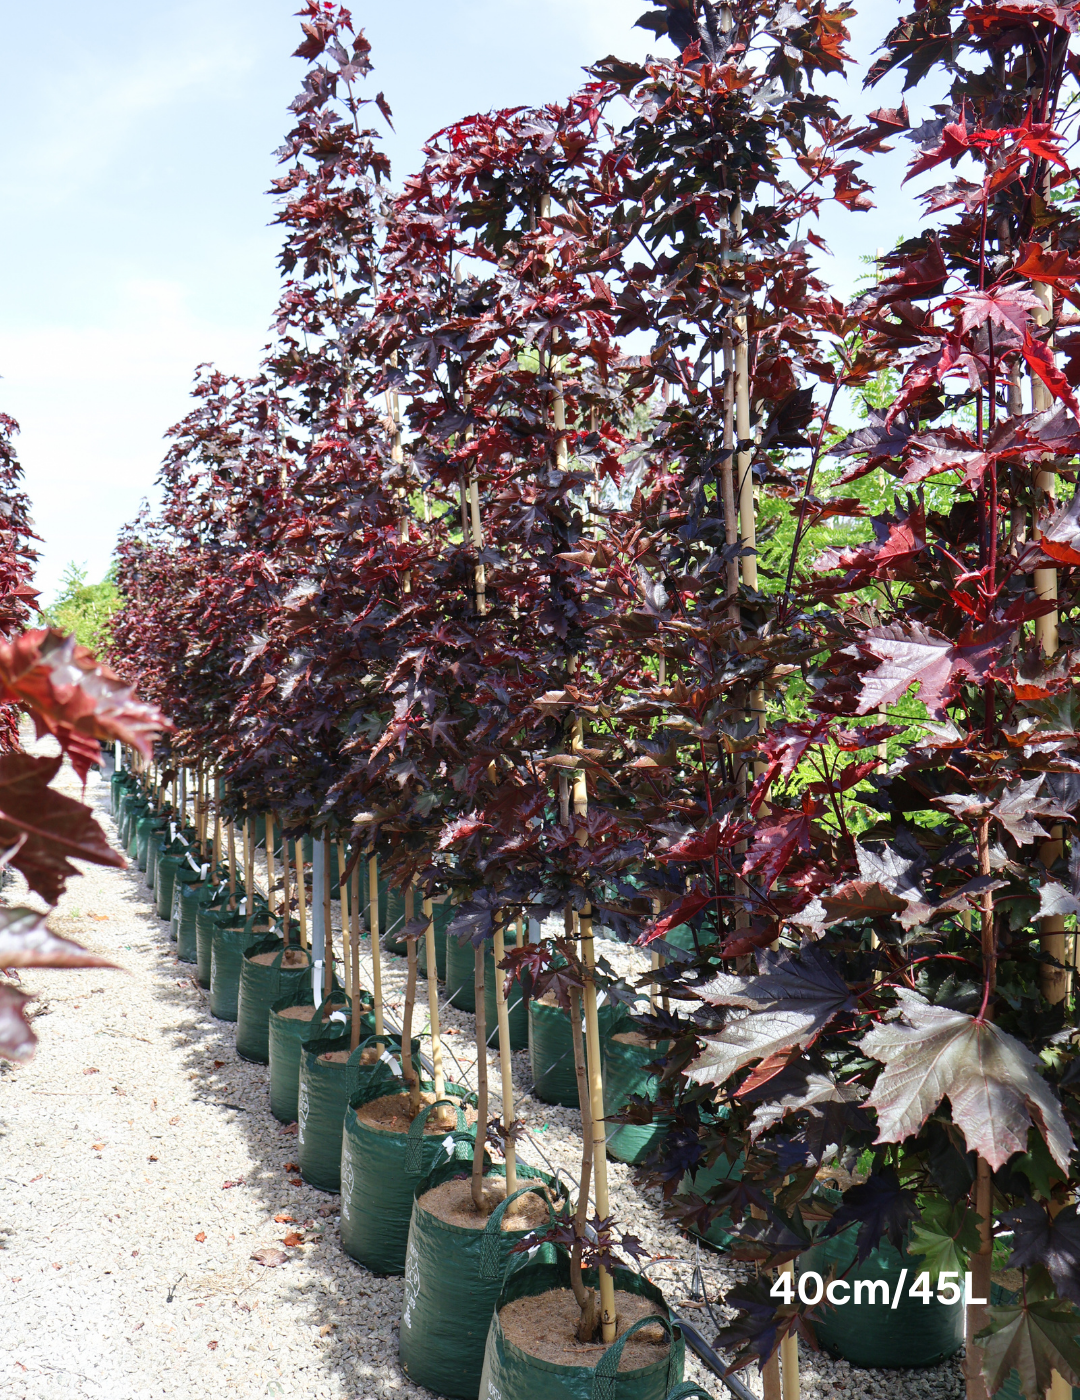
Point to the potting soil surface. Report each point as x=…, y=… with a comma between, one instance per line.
x=390, y=1114
x=452, y=1202
x=544, y=1326
x=143, y=1171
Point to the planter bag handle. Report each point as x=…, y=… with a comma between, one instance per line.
x=414, y=1144
x=607, y=1368
x=489, y=1240
x=352, y=1064
x=688, y=1391
x=320, y=1013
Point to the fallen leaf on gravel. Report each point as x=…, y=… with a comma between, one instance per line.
x=238, y=1182
x=200, y=1238
x=173, y=1121
x=218, y=1064
x=57, y=1266
x=35, y=1178
x=91, y=1071
x=296, y=1181
x=284, y=1219
x=97, y=1146
x=290, y=1167
x=326, y=1329
x=270, y=1257
x=212, y=1346
x=151, y=1159
x=292, y=1239
x=102, y=918
x=290, y=1129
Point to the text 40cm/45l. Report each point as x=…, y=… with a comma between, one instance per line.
x=877, y=1292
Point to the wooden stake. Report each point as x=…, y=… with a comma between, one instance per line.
x=480, y=1024
x=408, y=1070
x=506, y=1063
x=354, y=947
x=599, y=1127
x=286, y=891
x=271, y=897
x=373, y=930
x=301, y=890
x=232, y=865
x=439, y=1081
x=328, y=966
x=789, y=1353
x=249, y=866
x=346, y=958
x=215, y=850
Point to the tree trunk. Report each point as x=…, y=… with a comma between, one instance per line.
x=586, y=1298
x=481, y=1083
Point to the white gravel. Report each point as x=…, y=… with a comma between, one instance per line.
x=119, y=1142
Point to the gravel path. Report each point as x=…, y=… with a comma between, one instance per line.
x=142, y=1168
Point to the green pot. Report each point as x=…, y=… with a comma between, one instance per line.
x=188, y=891
x=626, y=1073
x=392, y=921
x=231, y=939
x=452, y=1282
x=324, y=1094
x=551, y=1050
x=153, y=854
x=261, y=985
x=285, y=1038
x=517, y=1007
x=143, y=827
x=135, y=814
x=719, y=1233
x=441, y=913
x=460, y=975
x=874, y=1334
x=511, y=1372
x=378, y=1172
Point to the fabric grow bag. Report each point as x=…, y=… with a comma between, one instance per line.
x=875, y=1334
x=164, y=881
x=136, y=812
x=392, y=921
x=626, y=1073
x=231, y=939
x=190, y=894
x=551, y=1049
x=452, y=1280
x=262, y=984
x=285, y=1038
x=460, y=974
x=517, y=1007
x=143, y=827
x=509, y=1371
x=323, y=1098
x=153, y=855
x=441, y=913
x=378, y=1172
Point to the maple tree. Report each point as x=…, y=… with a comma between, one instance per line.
x=462, y=576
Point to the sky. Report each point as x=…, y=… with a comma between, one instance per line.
x=136, y=151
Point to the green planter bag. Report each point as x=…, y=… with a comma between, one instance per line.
x=188, y=896
x=143, y=827
x=287, y=1033
x=164, y=882
x=460, y=974
x=325, y=1090
x=719, y=1232
x=874, y=1334
x=393, y=921
x=510, y=1371
x=452, y=1281
x=136, y=812
x=208, y=911
x=626, y=1073
x=231, y=939
x=153, y=855
x=441, y=913
x=378, y=1172
x=551, y=1049
x=263, y=981
x=517, y=1007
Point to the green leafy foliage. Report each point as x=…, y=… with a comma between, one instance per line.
x=85, y=610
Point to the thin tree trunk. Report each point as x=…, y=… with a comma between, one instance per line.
x=376, y=950
x=354, y=953
x=328, y=954
x=271, y=896
x=506, y=1063
x=443, y=1116
x=286, y=892
x=408, y=1069
x=301, y=891
x=586, y=1298
x=481, y=1082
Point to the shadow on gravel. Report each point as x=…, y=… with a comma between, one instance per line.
x=239, y=1089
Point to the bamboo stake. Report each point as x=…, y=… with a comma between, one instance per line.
x=328, y=955
x=505, y=1062
x=346, y=914
x=215, y=850
x=438, y=1079
x=301, y=890
x=373, y=930
x=789, y=1353
x=249, y=866
x=354, y=947
x=286, y=892
x=408, y=1070
x=480, y=1022
x=271, y=898
x=586, y=1298
x=232, y=866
